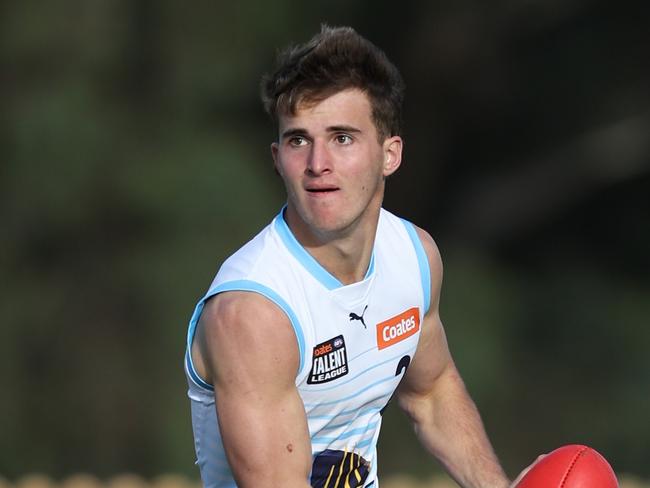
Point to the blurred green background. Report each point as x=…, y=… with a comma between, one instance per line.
x=134, y=156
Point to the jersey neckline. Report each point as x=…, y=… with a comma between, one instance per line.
x=327, y=279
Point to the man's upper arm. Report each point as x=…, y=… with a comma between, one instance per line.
x=249, y=351
x=433, y=395
x=432, y=357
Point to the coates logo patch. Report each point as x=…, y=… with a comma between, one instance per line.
x=398, y=328
x=329, y=361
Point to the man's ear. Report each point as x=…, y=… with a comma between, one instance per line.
x=392, y=148
x=274, y=155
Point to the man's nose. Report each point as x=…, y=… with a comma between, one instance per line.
x=320, y=160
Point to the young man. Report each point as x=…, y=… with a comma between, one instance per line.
x=309, y=329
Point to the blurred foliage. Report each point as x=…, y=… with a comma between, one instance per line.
x=134, y=158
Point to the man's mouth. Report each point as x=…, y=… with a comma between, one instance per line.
x=322, y=190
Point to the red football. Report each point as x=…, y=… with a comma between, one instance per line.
x=572, y=466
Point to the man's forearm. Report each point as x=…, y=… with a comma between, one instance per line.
x=449, y=426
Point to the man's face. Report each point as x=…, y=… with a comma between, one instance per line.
x=333, y=164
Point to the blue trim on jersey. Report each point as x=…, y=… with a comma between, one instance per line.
x=371, y=266
x=349, y=397
x=323, y=276
x=189, y=367
x=347, y=423
x=355, y=411
x=365, y=443
x=345, y=435
x=241, y=285
x=423, y=262
x=189, y=364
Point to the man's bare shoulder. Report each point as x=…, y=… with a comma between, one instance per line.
x=234, y=310
x=245, y=330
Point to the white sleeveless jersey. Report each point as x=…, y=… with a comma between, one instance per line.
x=355, y=343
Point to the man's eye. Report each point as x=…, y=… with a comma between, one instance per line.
x=297, y=141
x=343, y=139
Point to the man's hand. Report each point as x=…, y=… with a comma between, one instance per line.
x=523, y=473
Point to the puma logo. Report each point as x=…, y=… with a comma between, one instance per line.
x=354, y=316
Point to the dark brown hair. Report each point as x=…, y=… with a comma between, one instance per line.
x=336, y=59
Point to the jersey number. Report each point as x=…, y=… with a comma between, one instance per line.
x=402, y=366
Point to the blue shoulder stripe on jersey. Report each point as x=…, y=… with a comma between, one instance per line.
x=241, y=285
x=189, y=367
x=328, y=280
x=423, y=261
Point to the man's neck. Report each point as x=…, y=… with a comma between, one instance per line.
x=344, y=254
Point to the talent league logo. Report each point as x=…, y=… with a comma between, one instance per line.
x=398, y=328
x=329, y=361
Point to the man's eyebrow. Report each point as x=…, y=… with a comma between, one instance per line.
x=343, y=128
x=297, y=131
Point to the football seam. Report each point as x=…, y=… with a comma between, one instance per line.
x=572, y=465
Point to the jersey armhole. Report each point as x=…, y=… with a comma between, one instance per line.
x=239, y=285
x=423, y=263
